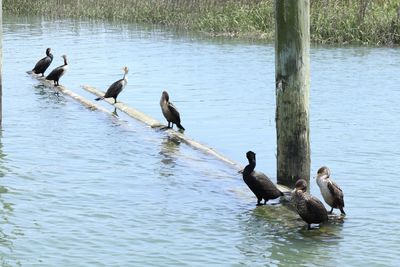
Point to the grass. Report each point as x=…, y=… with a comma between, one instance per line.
x=375, y=22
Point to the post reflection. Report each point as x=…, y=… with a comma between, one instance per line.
x=7, y=231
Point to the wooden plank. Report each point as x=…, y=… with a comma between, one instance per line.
x=134, y=113
x=140, y=116
x=62, y=89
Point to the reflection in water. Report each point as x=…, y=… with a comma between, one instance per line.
x=7, y=234
x=48, y=95
x=277, y=235
x=169, y=150
x=115, y=113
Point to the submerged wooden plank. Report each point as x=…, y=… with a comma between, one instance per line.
x=62, y=89
x=140, y=116
x=132, y=112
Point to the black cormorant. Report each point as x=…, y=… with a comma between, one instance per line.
x=170, y=112
x=56, y=74
x=330, y=191
x=310, y=208
x=259, y=183
x=116, y=88
x=42, y=65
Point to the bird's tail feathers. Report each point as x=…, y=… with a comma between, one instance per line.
x=99, y=98
x=180, y=126
x=342, y=211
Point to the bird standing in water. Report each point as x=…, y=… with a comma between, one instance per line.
x=310, y=208
x=116, y=88
x=42, y=65
x=170, y=112
x=330, y=191
x=259, y=183
x=56, y=74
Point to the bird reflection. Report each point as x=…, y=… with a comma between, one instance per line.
x=168, y=152
x=277, y=236
x=48, y=95
x=115, y=113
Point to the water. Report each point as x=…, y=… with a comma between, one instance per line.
x=79, y=188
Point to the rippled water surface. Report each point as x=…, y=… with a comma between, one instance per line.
x=79, y=188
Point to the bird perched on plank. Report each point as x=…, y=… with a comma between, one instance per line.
x=259, y=183
x=330, y=191
x=170, y=112
x=310, y=208
x=116, y=88
x=42, y=65
x=56, y=74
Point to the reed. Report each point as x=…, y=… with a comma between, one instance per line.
x=375, y=22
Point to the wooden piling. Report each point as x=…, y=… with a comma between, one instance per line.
x=292, y=74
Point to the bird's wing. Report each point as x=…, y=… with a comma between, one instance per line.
x=41, y=63
x=266, y=184
x=55, y=73
x=337, y=192
x=316, y=206
x=174, y=111
x=114, y=89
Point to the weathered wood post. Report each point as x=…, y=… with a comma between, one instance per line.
x=292, y=74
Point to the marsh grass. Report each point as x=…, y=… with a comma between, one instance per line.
x=375, y=22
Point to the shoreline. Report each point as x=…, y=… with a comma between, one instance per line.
x=332, y=21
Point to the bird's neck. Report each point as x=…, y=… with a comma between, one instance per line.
x=125, y=78
x=321, y=180
x=65, y=61
x=250, y=167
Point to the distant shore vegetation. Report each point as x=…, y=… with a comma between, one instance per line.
x=371, y=22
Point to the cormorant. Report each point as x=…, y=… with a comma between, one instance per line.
x=116, y=88
x=170, y=112
x=259, y=183
x=56, y=74
x=42, y=65
x=310, y=208
x=330, y=191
